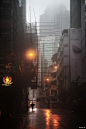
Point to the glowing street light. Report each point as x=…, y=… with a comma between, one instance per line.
x=55, y=67
x=30, y=54
x=47, y=79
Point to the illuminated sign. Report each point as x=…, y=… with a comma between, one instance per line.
x=7, y=81
x=8, y=65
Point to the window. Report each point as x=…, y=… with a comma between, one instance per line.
x=51, y=92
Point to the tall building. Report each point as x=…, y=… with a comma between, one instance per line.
x=78, y=48
x=69, y=63
x=83, y=40
x=52, y=22
x=77, y=20
x=63, y=63
x=31, y=64
x=75, y=13
x=22, y=3
x=46, y=51
x=6, y=24
x=75, y=58
x=10, y=56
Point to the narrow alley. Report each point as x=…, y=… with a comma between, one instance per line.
x=42, y=64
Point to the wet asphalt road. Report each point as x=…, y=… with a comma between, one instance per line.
x=53, y=119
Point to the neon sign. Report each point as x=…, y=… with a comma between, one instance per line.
x=7, y=81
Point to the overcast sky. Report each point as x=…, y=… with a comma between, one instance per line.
x=39, y=7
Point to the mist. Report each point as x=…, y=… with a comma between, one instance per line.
x=39, y=7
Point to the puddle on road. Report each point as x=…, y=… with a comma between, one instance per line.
x=42, y=119
x=51, y=119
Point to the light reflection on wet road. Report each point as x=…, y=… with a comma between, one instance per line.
x=42, y=119
x=51, y=119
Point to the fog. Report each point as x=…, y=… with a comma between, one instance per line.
x=39, y=7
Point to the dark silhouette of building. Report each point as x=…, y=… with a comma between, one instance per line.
x=11, y=54
x=77, y=20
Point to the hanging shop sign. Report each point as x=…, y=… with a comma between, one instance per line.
x=7, y=81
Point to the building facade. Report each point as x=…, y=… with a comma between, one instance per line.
x=63, y=63
x=46, y=51
x=52, y=22
x=75, y=58
x=77, y=20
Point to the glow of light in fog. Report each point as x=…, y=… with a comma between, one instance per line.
x=47, y=79
x=30, y=54
x=55, y=67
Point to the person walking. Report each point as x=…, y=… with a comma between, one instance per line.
x=32, y=105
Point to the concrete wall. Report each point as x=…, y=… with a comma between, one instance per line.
x=83, y=40
x=75, y=53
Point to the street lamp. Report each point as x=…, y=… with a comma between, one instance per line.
x=30, y=54
x=47, y=79
x=55, y=67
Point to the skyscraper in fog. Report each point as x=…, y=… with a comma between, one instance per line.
x=52, y=22
x=55, y=19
